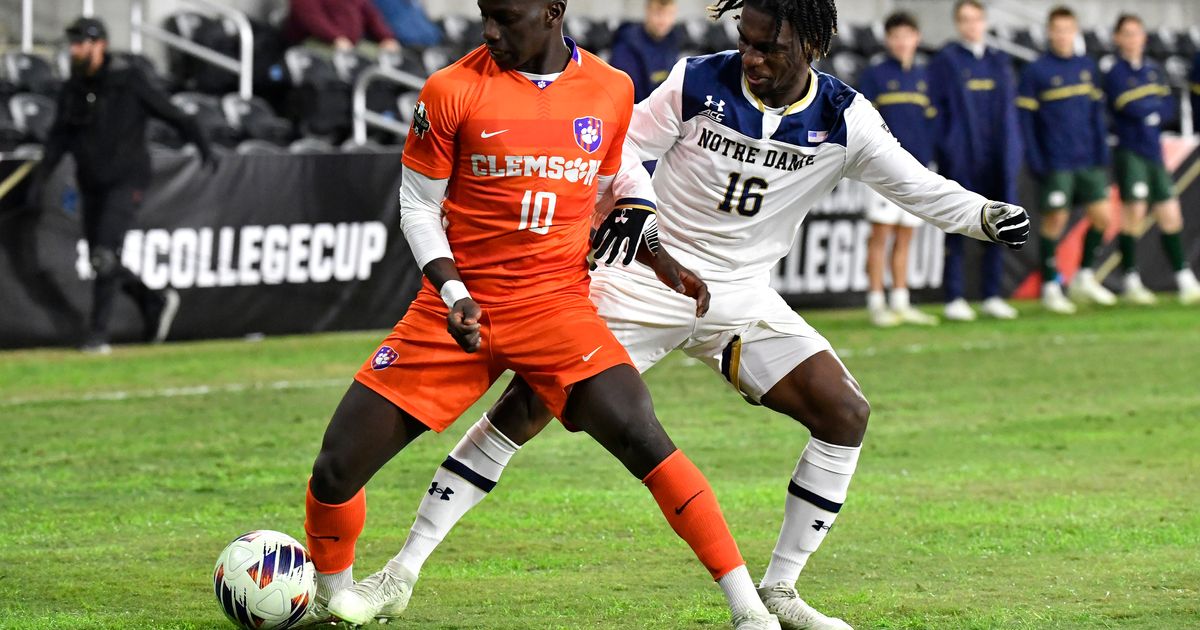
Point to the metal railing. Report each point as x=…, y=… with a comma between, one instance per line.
x=243, y=66
x=364, y=117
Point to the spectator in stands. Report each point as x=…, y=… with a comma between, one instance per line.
x=340, y=24
x=973, y=88
x=101, y=120
x=898, y=87
x=409, y=23
x=647, y=50
x=1066, y=150
x=1140, y=102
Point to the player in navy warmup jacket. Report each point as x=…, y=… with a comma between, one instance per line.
x=898, y=86
x=647, y=50
x=1066, y=149
x=978, y=143
x=1141, y=102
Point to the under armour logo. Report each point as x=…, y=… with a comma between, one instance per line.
x=716, y=109
x=817, y=525
x=444, y=492
x=709, y=103
x=622, y=218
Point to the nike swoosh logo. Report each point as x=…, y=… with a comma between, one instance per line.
x=333, y=538
x=679, y=510
x=588, y=356
x=485, y=135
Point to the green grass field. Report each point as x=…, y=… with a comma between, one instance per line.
x=1041, y=473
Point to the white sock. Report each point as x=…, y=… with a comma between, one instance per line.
x=740, y=592
x=330, y=583
x=875, y=301
x=900, y=299
x=815, y=496
x=460, y=483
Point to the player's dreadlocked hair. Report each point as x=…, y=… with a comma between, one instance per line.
x=814, y=21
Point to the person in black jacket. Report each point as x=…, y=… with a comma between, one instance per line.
x=101, y=120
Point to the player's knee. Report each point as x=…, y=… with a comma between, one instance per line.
x=332, y=481
x=854, y=412
x=104, y=261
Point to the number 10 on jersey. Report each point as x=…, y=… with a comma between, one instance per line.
x=532, y=206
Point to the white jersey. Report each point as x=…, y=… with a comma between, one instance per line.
x=735, y=179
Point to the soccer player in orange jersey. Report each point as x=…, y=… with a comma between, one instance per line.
x=509, y=149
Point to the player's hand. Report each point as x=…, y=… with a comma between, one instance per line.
x=629, y=225
x=463, y=324
x=682, y=280
x=1005, y=223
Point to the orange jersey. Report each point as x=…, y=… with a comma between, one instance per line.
x=522, y=163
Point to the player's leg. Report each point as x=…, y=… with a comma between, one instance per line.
x=366, y=431
x=470, y=472
x=956, y=308
x=1057, y=192
x=882, y=215
x=614, y=407
x=1093, y=192
x=104, y=237
x=1170, y=222
x=1133, y=183
x=900, y=303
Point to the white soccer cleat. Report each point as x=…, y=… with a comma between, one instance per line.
x=754, y=620
x=794, y=614
x=1136, y=292
x=1054, y=301
x=959, y=311
x=910, y=315
x=317, y=615
x=883, y=318
x=1085, y=289
x=1189, y=287
x=381, y=597
x=998, y=308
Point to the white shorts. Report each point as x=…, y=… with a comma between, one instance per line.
x=880, y=210
x=750, y=335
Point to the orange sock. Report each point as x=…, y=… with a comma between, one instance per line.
x=332, y=530
x=691, y=507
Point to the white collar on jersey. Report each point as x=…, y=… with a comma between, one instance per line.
x=796, y=107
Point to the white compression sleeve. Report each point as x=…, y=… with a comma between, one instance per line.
x=421, y=217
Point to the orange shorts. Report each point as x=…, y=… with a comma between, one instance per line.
x=553, y=342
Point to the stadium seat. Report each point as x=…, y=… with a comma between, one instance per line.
x=1097, y=42
x=1158, y=46
x=206, y=109
x=148, y=69
x=692, y=33
x=405, y=104
x=435, y=58
x=310, y=145
x=1187, y=42
x=259, y=147
x=593, y=34
x=1026, y=37
x=319, y=103
x=462, y=33
x=721, y=35
x=1177, y=68
x=162, y=134
x=32, y=115
x=407, y=60
x=847, y=66
x=868, y=39
x=10, y=136
x=255, y=120
x=31, y=73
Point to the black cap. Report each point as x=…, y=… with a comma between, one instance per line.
x=86, y=28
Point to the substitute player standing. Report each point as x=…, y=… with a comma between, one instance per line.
x=1140, y=100
x=508, y=150
x=972, y=86
x=1066, y=149
x=898, y=86
x=747, y=143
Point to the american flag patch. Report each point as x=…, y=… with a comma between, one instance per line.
x=817, y=136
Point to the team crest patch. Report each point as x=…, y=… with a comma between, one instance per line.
x=589, y=133
x=384, y=358
x=420, y=123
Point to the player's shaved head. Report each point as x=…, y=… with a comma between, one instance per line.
x=524, y=35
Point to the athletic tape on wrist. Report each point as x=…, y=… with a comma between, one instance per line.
x=452, y=291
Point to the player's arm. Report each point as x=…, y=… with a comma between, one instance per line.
x=876, y=158
x=657, y=121
x=1027, y=108
x=421, y=221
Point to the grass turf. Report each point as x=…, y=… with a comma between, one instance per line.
x=1040, y=473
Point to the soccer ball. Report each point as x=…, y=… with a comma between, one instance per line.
x=264, y=580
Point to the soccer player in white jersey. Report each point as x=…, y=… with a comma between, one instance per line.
x=747, y=142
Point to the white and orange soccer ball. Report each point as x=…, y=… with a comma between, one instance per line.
x=264, y=580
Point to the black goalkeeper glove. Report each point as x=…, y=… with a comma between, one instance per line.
x=1005, y=223
x=631, y=223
